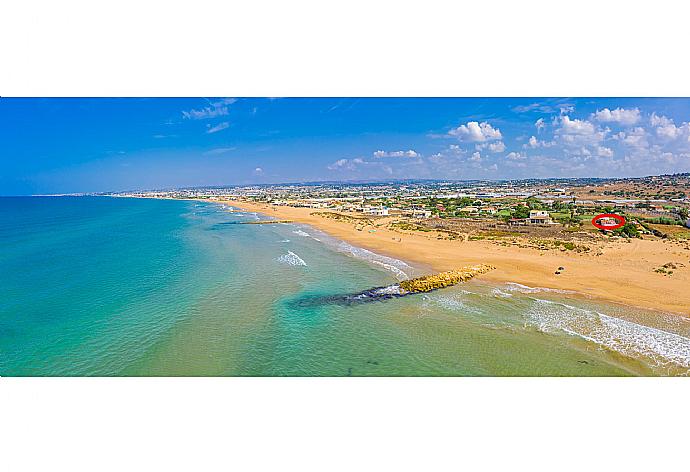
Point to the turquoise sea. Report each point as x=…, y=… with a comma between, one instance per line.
x=98, y=286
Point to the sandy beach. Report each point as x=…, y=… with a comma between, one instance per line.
x=616, y=271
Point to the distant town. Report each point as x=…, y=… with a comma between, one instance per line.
x=652, y=205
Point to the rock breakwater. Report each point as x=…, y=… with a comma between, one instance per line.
x=428, y=283
x=423, y=284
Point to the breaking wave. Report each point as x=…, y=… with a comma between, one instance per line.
x=516, y=287
x=399, y=268
x=292, y=259
x=456, y=304
x=663, y=348
x=497, y=292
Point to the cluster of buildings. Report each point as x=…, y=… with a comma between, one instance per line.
x=426, y=199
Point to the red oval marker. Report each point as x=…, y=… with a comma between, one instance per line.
x=620, y=219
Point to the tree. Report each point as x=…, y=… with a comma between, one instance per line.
x=521, y=212
x=464, y=201
x=534, y=204
x=628, y=230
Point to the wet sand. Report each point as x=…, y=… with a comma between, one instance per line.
x=622, y=273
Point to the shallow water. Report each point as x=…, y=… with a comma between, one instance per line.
x=106, y=286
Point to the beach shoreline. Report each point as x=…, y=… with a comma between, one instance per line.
x=622, y=274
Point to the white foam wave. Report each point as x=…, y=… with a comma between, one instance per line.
x=299, y=232
x=516, y=287
x=390, y=290
x=454, y=304
x=292, y=259
x=631, y=339
x=498, y=293
x=284, y=241
x=396, y=266
x=400, y=274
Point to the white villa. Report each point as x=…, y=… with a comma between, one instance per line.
x=539, y=217
x=375, y=211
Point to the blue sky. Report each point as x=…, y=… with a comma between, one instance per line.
x=87, y=145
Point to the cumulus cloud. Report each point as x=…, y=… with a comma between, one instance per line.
x=540, y=124
x=410, y=153
x=659, y=120
x=514, y=156
x=666, y=129
x=346, y=164
x=533, y=143
x=258, y=171
x=567, y=144
x=497, y=146
x=575, y=133
x=475, y=132
x=576, y=126
x=219, y=127
x=603, y=151
x=635, y=137
x=622, y=116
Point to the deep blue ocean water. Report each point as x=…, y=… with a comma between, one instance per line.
x=113, y=286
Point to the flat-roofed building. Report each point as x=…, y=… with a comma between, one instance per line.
x=539, y=217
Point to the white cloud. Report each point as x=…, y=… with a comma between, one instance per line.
x=410, y=153
x=574, y=134
x=603, y=151
x=659, y=120
x=670, y=131
x=498, y=146
x=540, y=125
x=258, y=171
x=339, y=164
x=636, y=138
x=570, y=145
x=205, y=113
x=346, y=164
x=218, y=127
x=514, y=156
x=216, y=151
x=623, y=116
x=576, y=126
x=215, y=109
x=667, y=130
x=223, y=101
x=475, y=132
x=533, y=143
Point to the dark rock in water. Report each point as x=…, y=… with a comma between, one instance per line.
x=583, y=362
x=367, y=296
